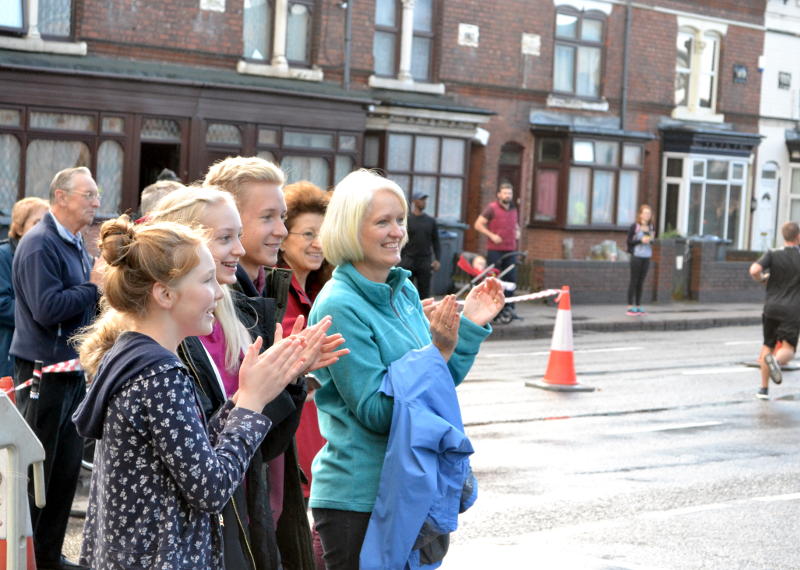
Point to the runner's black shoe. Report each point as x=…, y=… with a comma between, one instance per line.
x=763, y=394
x=774, y=368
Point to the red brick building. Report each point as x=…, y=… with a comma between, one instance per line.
x=589, y=107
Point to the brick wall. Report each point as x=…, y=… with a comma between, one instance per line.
x=548, y=243
x=172, y=31
x=590, y=282
x=717, y=281
x=709, y=280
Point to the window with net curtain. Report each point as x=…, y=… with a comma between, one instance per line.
x=603, y=183
x=298, y=32
x=578, y=53
x=55, y=18
x=257, y=29
x=11, y=15
x=386, y=40
x=429, y=164
x=9, y=171
x=716, y=194
x=44, y=158
x=696, y=63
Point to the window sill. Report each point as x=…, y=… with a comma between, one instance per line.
x=683, y=113
x=406, y=85
x=37, y=44
x=571, y=102
x=266, y=70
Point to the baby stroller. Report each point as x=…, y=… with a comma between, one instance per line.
x=476, y=270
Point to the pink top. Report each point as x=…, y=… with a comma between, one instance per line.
x=215, y=345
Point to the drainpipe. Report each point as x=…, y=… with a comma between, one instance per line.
x=623, y=106
x=348, y=40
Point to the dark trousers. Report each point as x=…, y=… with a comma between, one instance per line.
x=420, y=268
x=639, y=267
x=493, y=258
x=342, y=534
x=50, y=417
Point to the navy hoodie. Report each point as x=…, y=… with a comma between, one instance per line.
x=130, y=355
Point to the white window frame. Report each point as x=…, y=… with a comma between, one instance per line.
x=279, y=65
x=404, y=81
x=32, y=40
x=701, y=30
x=685, y=182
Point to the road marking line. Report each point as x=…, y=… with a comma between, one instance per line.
x=721, y=370
x=665, y=428
x=719, y=506
x=546, y=352
x=691, y=510
x=737, y=342
x=772, y=498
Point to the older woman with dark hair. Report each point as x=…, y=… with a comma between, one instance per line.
x=24, y=215
x=378, y=310
x=301, y=250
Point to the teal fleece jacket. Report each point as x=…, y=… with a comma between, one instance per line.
x=380, y=322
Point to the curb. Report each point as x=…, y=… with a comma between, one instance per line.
x=523, y=331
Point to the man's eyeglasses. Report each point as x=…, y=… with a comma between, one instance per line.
x=87, y=194
x=308, y=236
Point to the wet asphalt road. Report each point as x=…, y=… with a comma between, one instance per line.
x=671, y=463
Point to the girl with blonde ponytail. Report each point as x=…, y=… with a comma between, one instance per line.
x=158, y=480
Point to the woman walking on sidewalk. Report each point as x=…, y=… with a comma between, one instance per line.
x=640, y=237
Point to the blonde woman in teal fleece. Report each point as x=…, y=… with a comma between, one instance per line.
x=377, y=309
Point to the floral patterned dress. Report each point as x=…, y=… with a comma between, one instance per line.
x=161, y=475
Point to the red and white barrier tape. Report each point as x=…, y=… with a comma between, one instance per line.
x=530, y=296
x=534, y=296
x=66, y=366
x=25, y=384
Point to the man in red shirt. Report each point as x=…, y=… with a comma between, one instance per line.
x=499, y=222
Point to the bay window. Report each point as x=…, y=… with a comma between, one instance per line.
x=594, y=182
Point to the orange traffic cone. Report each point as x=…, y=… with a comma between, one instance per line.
x=7, y=386
x=560, y=373
x=29, y=555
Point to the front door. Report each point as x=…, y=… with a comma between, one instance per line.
x=765, y=215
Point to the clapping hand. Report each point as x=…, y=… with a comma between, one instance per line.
x=445, y=320
x=263, y=376
x=484, y=302
x=328, y=351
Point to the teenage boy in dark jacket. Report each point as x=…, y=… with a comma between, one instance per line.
x=256, y=186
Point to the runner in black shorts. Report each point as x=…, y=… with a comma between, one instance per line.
x=781, y=317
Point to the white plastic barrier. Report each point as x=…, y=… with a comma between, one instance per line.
x=19, y=448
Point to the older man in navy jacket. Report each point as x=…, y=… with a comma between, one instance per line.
x=57, y=289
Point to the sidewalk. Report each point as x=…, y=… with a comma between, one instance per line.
x=538, y=318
